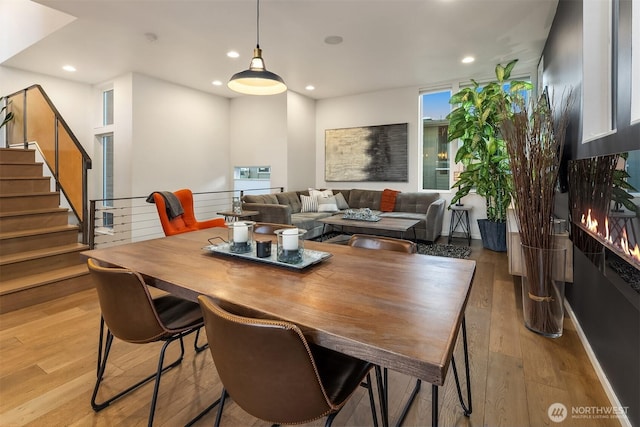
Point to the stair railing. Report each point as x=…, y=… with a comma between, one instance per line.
x=36, y=120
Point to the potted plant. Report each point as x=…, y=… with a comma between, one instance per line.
x=475, y=122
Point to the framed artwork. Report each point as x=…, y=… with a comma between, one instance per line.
x=369, y=153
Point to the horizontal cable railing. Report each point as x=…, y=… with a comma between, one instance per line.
x=130, y=219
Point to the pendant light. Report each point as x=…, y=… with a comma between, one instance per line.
x=257, y=80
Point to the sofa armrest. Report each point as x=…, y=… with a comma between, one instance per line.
x=277, y=214
x=434, y=219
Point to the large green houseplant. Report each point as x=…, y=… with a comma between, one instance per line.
x=475, y=122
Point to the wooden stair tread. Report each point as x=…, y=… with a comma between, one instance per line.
x=24, y=178
x=41, y=253
x=40, y=279
x=35, y=193
x=32, y=212
x=2, y=163
x=37, y=231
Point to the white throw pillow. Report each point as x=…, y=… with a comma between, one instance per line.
x=320, y=193
x=327, y=204
x=309, y=204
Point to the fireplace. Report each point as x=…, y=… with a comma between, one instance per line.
x=604, y=200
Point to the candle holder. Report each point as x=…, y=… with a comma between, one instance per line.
x=290, y=245
x=236, y=205
x=240, y=236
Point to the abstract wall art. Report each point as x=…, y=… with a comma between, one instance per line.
x=369, y=153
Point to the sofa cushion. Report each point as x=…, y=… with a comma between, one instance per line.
x=290, y=198
x=327, y=204
x=365, y=199
x=309, y=204
x=415, y=201
x=388, y=200
x=341, y=202
x=269, y=199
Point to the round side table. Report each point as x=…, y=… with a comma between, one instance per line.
x=460, y=218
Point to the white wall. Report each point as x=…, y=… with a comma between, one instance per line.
x=301, y=143
x=258, y=134
x=180, y=138
x=380, y=108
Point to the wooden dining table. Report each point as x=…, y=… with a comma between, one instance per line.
x=398, y=311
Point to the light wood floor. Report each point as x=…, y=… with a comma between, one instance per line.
x=48, y=369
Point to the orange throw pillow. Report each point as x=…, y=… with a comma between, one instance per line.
x=388, y=200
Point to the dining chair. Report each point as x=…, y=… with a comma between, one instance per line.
x=269, y=227
x=270, y=370
x=185, y=222
x=398, y=245
x=132, y=315
x=380, y=242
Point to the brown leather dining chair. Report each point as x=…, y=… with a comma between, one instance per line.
x=270, y=370
x=132, y=315
x=269, y=227
x=379, y=242
x=398, y=245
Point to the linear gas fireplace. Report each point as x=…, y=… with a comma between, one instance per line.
x=604, y=197
x=605, y=294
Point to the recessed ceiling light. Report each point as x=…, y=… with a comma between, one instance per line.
x=333, y=40
x=216, y=83
x=468, y=59
x=310, y=87
x=233, y=54
x=69, y=68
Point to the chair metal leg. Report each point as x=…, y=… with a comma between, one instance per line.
x=100, y=349
x=206, y=410
x=223, y=397
x=197, y=348
x=159, y=372
x=467, y=409
x=103, y=357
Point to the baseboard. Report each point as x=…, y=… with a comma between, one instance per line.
x=606, y=385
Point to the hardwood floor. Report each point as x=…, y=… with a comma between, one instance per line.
x=48, y=369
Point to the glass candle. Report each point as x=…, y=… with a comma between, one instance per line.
x=290, y=245
x=240, y=236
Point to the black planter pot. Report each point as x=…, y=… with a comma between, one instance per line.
x=494, y=235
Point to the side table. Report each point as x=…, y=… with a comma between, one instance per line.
x=231, y=216
x=460, y=217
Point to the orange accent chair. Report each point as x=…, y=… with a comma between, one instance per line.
x=185, y=222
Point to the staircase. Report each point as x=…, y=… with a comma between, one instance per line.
x=39, y=250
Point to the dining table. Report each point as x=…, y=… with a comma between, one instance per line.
x=399, y=311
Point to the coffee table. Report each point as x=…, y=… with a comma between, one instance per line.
x=400, y=225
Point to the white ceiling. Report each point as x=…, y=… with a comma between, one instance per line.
x=387, y=44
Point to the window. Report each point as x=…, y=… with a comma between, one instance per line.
x=107, y=177
x=597, y=116
x=106, y=140
x=435, y=148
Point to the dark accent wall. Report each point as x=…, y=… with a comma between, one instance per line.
x=610, y=322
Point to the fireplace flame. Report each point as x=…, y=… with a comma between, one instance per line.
x=591, y=224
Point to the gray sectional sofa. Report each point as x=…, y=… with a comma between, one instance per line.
x=285, y=208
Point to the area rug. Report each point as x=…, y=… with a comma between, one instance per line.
x=436, y=249
x=450, y=251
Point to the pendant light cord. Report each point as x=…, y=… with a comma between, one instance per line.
x=258, y=24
